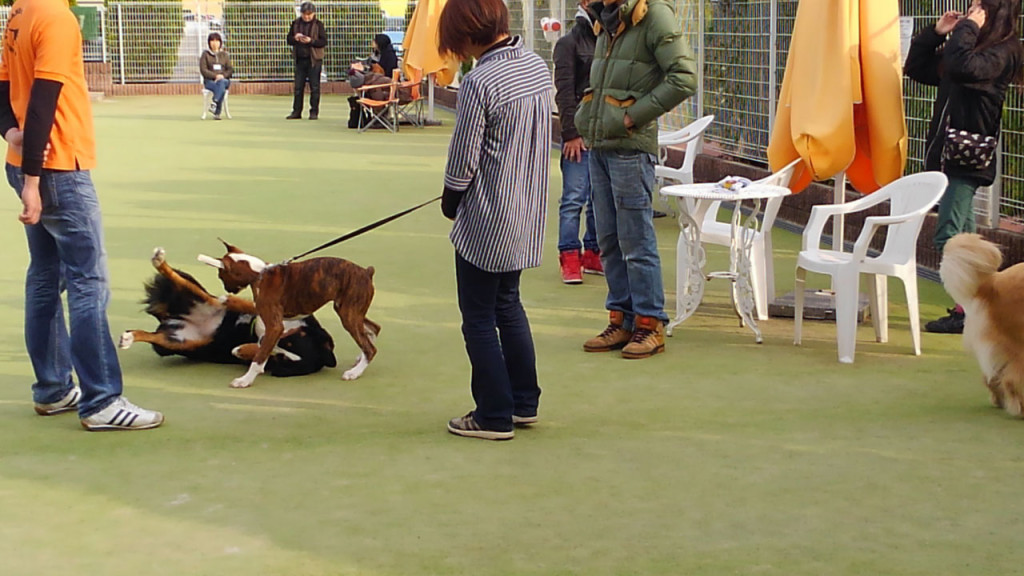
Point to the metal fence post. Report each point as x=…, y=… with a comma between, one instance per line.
x=528, y=23
x=120, y=40
x=103, y=31
x=773, y=37
x=700, y=59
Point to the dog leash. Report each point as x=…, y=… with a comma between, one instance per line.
x=363, y=230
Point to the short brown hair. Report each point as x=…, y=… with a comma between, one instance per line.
x=471, y=22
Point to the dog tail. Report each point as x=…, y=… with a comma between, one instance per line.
x=968, y=260
x=164, y=298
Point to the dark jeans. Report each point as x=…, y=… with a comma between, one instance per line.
x=305, y=71
x=499, y=344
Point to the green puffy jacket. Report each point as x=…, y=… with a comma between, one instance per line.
x=645, y=70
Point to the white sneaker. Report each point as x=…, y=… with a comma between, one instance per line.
x=67, y=403
x=123, y=415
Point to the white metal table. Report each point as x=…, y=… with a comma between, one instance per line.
x=694, y=200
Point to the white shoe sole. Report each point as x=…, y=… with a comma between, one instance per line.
x=523, y=420
x=101, y=427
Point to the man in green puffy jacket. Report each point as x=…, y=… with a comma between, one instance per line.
x=642, y=69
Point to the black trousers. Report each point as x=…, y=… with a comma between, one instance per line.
x=306, y=70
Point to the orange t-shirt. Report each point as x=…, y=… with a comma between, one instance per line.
x=43, y=40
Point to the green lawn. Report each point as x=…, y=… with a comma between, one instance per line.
x=718, y=457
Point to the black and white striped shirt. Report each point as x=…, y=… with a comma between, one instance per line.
x=500, y=156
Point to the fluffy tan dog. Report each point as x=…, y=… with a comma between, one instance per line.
x=993, y=304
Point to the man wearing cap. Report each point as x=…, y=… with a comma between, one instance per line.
x=307, y=37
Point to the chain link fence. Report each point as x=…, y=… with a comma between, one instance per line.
x=741, y=47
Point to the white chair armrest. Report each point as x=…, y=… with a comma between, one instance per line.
x=816, y=225
x=674, y=174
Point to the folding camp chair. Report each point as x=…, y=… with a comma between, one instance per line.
x=382, y=112
x=412, y=111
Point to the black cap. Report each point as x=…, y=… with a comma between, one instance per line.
x=307, y=8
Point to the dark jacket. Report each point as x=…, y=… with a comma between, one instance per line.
x=643, y=67
x=573, y=56
x=972, y=86
x=387, y=59
x=208, y=64
x=314, y=29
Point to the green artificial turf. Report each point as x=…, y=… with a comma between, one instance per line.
x=718, y=457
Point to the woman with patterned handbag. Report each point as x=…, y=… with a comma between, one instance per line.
x=972, y=58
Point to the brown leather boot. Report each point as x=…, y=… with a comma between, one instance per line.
x=613, y=337
x=648, y=338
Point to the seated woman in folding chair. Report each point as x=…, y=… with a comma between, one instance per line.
x=215, y=67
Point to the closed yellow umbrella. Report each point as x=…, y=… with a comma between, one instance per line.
x=841, y=103
x=420, y=55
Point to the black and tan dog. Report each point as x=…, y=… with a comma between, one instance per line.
x=296, y=290
x=197, y=325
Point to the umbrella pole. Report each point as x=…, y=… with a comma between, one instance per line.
x=839, y=221
x=430, y=97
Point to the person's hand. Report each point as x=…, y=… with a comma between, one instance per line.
x=305, y=39
x=628, y=121
x=219, y=77
x=15, y=137
x=299, y=36
x=31, y=204
x=977, y=15
x=947, y=22
x=573, y=149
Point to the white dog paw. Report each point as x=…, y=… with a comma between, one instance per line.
x=241, y=382
x=127, y=339
x=357, y=370
x=158, y=257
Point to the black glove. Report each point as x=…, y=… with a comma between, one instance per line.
x=450, y=202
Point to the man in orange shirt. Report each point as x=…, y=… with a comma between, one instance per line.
x=46, y=119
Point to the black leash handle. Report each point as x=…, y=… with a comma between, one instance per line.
x=364, y=229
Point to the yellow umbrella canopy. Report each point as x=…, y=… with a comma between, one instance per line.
x=420, y=45
x=841, y=103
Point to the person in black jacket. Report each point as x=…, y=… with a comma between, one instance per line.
x=973, y=69
x=573, y=56
x=384, y=54
x=307, y=37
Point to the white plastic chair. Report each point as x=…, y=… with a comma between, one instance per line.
x=208, y=99
x=910, y=198
x=693, y=136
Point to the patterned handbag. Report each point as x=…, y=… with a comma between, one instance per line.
x=963, y=149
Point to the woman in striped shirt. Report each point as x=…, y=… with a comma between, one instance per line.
x=495, y=190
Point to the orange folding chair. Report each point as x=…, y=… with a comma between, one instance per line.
x=411, y=111
x=381, y=112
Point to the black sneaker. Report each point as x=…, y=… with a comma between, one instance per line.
x=468, y=426
x=952, y=324
x=659, y=214
x=314, y=115
x=293, y=116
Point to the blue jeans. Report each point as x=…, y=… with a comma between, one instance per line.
x=219, y=88
x=499, y=344
x=66, y=252
x=623, y=183
x=956, y=210
x=576, y=196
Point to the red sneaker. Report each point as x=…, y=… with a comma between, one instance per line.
x=572, y=268
x=592, y=262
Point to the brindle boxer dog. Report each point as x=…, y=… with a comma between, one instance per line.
x=296, y=289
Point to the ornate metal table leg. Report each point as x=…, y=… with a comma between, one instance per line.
x=743, y=236
x=689, y=266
